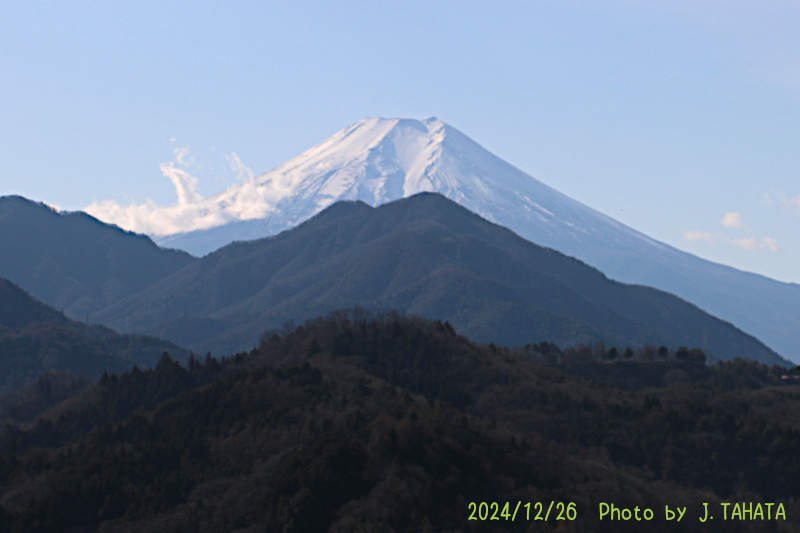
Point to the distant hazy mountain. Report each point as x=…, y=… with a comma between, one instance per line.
x=380, y=160
x=35, y=338
x=424, y=255
x=74, y=262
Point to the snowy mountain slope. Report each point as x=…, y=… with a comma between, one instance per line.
x=380, y=160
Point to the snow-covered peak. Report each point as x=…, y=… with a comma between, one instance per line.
x=375, y=160
x=362, y=161
x=378, y=160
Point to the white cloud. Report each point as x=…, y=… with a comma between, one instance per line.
x=751, y=243
x=695, y=236
x=732, y=220
x=184, y=182
x=182, y=155
x=191, y=211
x=243, y=172
x=153, y=219
x=780, y=198
x=746, y=243
x=771, y=244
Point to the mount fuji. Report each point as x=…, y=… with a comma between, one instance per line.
x=380, y=160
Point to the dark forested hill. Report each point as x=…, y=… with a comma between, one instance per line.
x=74, y=262
x=34, y=339
x=425, y=255
x=17, y=308
x=380, y=423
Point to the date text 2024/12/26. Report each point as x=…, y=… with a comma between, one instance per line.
x=527, y=511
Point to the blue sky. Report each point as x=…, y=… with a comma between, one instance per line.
x=680, y=119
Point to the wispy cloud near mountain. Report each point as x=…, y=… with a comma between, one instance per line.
x=751, y=243
x=733, y=220
x=191, y=211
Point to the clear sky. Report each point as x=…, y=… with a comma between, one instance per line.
x=680, y=118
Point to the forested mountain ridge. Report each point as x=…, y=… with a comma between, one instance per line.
x=19, y=308
x=35, y=338
x=424, y=255
x=72, y=261
x=365, y=423
x=378, y=160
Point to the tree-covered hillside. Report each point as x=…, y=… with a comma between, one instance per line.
x=74, y=262
x=35, y=338
x=424, y=255
x=365, y=423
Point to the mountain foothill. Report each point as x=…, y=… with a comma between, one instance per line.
x=35, y=339
x=423, y=255
x=373, y=369
x=378, y=422
x=74, y=262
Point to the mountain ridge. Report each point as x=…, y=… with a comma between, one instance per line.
x=379, y=160
x=75, y=262
x=423, y=255
x=35, y=339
